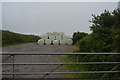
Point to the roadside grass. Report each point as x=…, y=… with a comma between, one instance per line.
x=73, y=67
x=76, y=68
x=90, y=67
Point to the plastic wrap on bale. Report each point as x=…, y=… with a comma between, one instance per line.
x=52, y=37
x=44, y=37
x=69, y=41
x=58, y=37
x=63, y=42
x=48, y=42
x=41, y=42
x=55, y=38
x=56, y=42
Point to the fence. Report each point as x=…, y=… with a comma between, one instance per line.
x=52, y=72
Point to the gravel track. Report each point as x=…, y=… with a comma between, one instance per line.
x=34, y=47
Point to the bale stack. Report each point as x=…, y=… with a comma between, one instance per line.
x=55, y=38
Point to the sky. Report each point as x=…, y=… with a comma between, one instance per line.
x=119, y=4
x=0, y=15
x=41, y=17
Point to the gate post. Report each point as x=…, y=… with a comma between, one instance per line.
x=77, y=64
x=13, y=65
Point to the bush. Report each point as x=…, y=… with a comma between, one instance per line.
x=78, y=36
x=105, y=37
x=91, y=43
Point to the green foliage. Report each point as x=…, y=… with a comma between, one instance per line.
x=9, y=38
x=0, y=38
x=106, y=33
x=105, y=37
x=91, y=43
x=116, y=40
x=106, y=20
x=78, y=36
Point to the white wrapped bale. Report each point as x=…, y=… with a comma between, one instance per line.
x=41, y=42
x=58, y=38
x=55, y=33
x=52, y=37
x=61, y=33
x=69, y=41
x=44, y=37
x=56, y=42
x=47, y=41
x=62, y=42
x=68, y=37
x=55, y=38
x=48, y=33
x=65, y=37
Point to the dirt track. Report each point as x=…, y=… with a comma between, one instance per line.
x=34, y=47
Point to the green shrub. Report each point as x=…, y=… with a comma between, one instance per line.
x=78, y=36
x=105, y=37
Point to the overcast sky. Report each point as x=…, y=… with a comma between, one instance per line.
x=0, y=15
x=41, y=17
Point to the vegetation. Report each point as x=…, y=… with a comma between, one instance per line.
x=10, y=38
x=105, y=37
x=0, y=38
x=78, y=36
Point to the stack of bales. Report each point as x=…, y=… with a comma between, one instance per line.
x=55, y=38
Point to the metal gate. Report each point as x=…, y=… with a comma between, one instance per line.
x=13, y=54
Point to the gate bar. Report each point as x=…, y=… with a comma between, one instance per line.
x=38, y=73
x=60, y=63
x=49, y=53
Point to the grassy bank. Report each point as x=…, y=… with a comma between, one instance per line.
x=12, y=38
